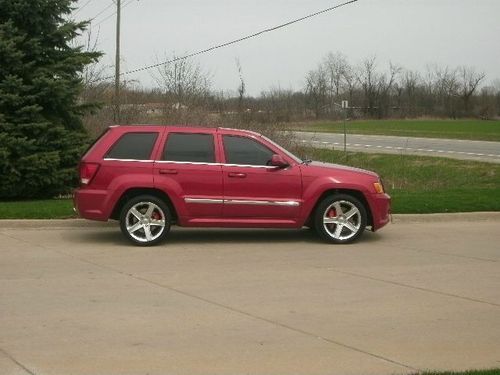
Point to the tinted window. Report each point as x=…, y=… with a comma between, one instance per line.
x=190, y=147
x=240, y=150
x=136, y=146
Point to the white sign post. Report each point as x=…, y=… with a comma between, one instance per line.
x=345, y=106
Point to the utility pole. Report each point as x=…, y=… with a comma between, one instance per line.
x=117, y=63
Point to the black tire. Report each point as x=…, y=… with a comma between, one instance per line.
x=149, y=215
x=342, y=229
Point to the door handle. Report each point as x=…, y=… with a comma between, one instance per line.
x=237, y=175
x=167, y=171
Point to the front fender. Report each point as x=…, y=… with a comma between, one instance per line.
x=317, y=189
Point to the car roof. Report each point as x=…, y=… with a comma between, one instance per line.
x=183, y=128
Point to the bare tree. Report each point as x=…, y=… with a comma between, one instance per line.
x=335, y=65
x=317, y=90
x=282, y=105
x=446, y=89
x=410, y=82
x=468, y=82
x=385, y=85
x=350, y=78
x=94, y=87
x=183, y=82
x=241, y=86
x=367, y=78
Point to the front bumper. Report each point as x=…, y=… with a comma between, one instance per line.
x=381, y=210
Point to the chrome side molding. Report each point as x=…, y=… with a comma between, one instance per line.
x=243, y=201
x=203, y=200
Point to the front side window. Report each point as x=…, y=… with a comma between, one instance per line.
x=134, y=146
x=190, y=147
x=246, y=151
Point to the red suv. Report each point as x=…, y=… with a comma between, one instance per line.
x=150, y=177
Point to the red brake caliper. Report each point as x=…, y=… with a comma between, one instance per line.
x=332, y=213
x=156, y=216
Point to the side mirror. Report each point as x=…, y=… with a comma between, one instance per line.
x=278, y=161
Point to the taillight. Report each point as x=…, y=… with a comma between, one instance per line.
x=87, y=172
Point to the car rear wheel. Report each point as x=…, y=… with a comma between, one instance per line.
x=340, y=219
x=145, y=220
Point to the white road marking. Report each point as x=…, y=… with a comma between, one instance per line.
x=358, y=145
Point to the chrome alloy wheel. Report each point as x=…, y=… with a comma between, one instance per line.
x=342, y=220
x=145, y=221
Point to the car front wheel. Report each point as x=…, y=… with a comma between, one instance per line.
x=340, y=218
x=145, y=220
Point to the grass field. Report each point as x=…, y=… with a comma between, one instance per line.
x=454, y=129
x=417, y=184
x=39, y=209
x=420, y=184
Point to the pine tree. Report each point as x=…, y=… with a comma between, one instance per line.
x=41, y=132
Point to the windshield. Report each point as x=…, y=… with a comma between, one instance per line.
x=288, y=153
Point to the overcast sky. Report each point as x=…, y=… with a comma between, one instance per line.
x=412, y=33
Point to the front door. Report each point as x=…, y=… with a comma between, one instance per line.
x=254, y=189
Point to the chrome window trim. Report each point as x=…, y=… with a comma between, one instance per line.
x=242, y=201
x=137, y=160
x=193, y=163
x=250, y=166
x=186, y=162
x=215, y=164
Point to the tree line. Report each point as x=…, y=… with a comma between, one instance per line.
x=451, y=92
x=184, y=92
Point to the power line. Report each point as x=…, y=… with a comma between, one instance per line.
x=274, y=28
x=83, y=6
x=112, y=14
x=102, y=11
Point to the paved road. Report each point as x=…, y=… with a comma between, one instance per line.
x=452, y=148
x=421, y=294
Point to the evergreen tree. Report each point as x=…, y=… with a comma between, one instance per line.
x=41, y=132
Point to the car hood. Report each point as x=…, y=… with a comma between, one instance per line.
x=325, y=168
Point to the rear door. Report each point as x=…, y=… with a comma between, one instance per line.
x=253, y=188
x=187, y=170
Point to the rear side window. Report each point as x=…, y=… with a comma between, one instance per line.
x=246, y=151
x=135, y=146
x=189, y=147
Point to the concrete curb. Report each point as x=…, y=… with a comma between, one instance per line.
x=55, y=223
x=447, y=217
x=398, y=218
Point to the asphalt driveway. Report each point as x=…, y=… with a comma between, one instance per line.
x=424, y=293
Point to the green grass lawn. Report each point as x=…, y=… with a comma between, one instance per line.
x=420, y=184
x=417, y=184
x=38, y=209
x=454, y=129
